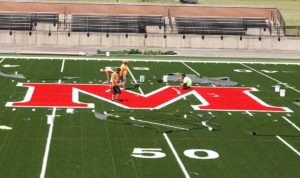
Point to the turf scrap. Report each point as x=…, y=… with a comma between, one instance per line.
x=70, y=111
x=141, y=68
x=10, y=65
x=4, y=127
x=217, y=81
x=101, y=116
x=71, y=78
x=15, y=75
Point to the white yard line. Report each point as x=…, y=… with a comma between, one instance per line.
x=271, y=78
x=249, y=113
x=290, y=122
x=135, y=80
x=186, y=174
x=154, y=123
x=287, y=144
x=2, y=60
x=46, y=154
x=190, y=68
x=165, y=135
x=62, y=65
x=158, y=60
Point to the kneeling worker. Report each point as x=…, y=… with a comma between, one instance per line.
x=115, y=89
x=186, y=83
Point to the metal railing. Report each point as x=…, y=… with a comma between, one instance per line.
x=292, y=31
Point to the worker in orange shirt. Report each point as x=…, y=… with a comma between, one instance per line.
x=123, y=73
x=115, y=89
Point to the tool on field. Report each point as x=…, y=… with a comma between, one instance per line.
x=135, y=85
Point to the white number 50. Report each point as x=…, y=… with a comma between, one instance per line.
x=209, y=154
x=150, y=153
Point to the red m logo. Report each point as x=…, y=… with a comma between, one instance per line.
x=212, y=98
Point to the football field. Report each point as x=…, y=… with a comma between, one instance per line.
x=58, y=121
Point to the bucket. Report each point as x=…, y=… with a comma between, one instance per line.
x=107, y=53
x=277, y=88
x=282, y=92
x=142, y=78
x=165, y=78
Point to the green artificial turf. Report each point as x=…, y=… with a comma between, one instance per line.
x=83, y=146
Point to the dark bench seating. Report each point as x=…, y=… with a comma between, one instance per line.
x=216, y=26
x=105, y=23
x=25, y=21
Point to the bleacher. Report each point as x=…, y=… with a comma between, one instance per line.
x=218, y=26
x=25, y=21
x=15, y=22
x=45, y=18
x=120, y=24
x=133, y=24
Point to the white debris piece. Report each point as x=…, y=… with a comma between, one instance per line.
x=70, y=111
x=4, y=127
x=141, y=68
x=132, y=118
x=50, y=119
x=9, y=65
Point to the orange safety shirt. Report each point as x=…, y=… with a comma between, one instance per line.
x=124, y=70
x=114, y=79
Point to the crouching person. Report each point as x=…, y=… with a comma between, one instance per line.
x=186, y=82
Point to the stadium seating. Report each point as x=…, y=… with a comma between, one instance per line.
x=45, y=18
x=121, y=24
x=218, y=26
x=132, y=24
x=25, y=21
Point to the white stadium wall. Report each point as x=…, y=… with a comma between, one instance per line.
x=152, y=40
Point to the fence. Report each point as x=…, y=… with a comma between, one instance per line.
x=292, y=31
